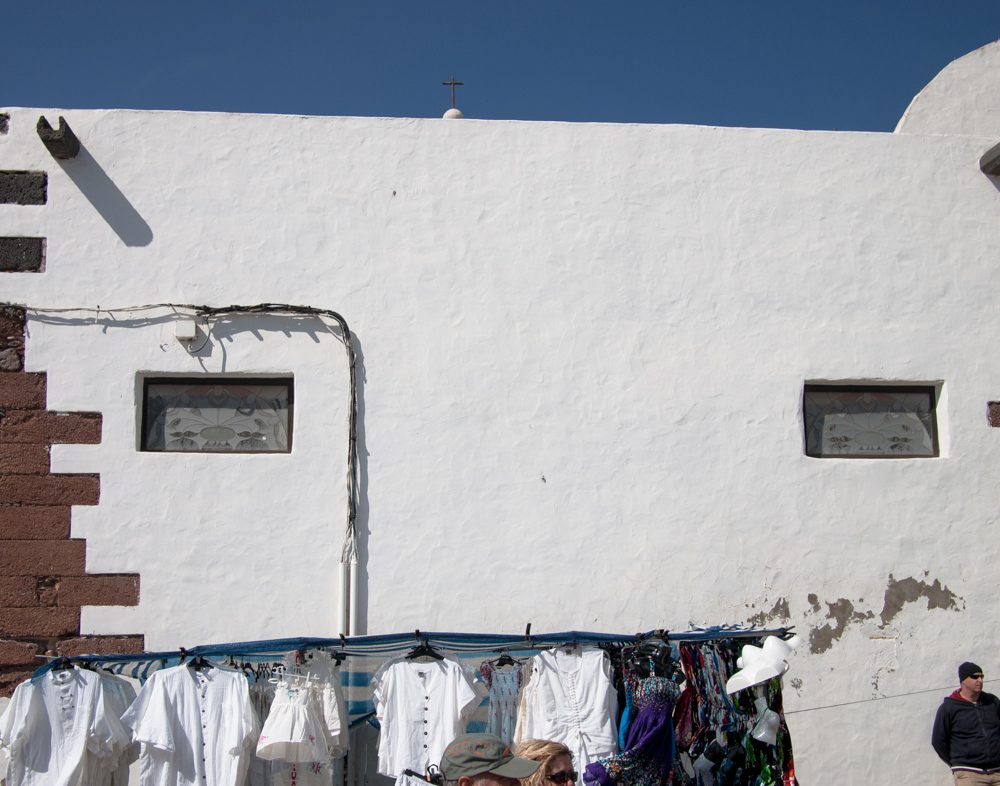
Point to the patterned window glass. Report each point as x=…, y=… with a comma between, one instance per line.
x=855, y=421
x=212, y=415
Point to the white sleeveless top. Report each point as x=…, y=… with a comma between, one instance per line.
x=570, y=699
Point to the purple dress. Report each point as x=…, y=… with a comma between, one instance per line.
x=649, y=744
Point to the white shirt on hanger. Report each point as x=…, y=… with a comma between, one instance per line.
x=197, y=727
x=570, y=699
x=61, y=731
x=119, y=695
x=421, y=707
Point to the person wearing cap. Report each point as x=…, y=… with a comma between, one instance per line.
x=966, y=731
x=483, y=760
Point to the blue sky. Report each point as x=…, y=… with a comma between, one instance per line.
x=845, y=65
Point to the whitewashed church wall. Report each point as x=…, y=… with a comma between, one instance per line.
x=581, y=356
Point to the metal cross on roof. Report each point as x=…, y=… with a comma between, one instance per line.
x=453, y=83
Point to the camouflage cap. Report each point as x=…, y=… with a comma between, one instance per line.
x=477, y=754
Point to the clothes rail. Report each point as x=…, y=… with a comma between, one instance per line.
x=393, y=643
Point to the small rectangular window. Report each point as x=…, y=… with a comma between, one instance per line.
x=870, y=421
x=217, y=415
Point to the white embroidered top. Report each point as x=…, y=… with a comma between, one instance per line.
x=197, y=727
x=294, y=728
x=570, y=699
x=61, y=731
x=421, y=707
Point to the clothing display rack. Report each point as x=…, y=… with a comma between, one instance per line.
x=387, y=645
x=306, y=711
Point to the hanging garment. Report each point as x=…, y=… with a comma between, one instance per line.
x=61, y=731
x=324, y=669
x=504, y=690
x=421, y=707
x=197, y=727
x=119, y=694
x=322, y=672
x=570, y=699
x=649, y=746
x=294, y=729
x=261, y=696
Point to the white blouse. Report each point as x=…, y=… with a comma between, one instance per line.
x=119, y=695
x=197, y=728
x=570, y=699
x=61, y=731
x=421, y=707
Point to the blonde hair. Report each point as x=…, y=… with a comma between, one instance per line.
x=540, y=750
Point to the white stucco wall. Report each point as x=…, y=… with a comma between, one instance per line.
x=581, y=352
x=961, y=99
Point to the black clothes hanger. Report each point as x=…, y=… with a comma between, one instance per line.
x=649, y=659
x=198, y=663
x=505, y=659
x=423, y=649
x=62, y=663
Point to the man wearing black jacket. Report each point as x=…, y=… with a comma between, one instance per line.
x=967, y=731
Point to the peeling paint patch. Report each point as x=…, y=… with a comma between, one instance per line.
x=841, y=612
x=779, y=611
x=899, y=592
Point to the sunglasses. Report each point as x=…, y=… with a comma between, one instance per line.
x=564, y=776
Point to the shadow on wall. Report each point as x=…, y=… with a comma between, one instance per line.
x=107, y=199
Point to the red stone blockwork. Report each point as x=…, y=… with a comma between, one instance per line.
x=43, y=573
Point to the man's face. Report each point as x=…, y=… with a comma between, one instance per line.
x=973, y=684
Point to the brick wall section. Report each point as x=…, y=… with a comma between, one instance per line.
x=43, y=572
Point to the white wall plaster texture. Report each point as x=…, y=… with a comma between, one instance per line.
x=627, y=311
x=961, y=99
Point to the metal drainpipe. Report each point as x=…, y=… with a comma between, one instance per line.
x=349, y=572
x=343, y=580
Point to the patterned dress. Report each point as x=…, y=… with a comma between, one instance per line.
x=649, y=744
x=504, y=690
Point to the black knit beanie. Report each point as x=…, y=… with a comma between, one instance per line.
x=967, y=669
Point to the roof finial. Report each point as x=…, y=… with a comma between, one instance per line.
x=454, y=112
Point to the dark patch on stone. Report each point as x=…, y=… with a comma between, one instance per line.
x=813, y=601
x=61, y=142
x=4, y=122
x=47, y=588
x=993, y=413
x=778, y=611
x=841, y=612
x=23, y=188
x=22, y=254
x=899, y=592
x=12, y=323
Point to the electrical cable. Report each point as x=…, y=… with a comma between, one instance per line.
x=873, y=698
x=350, y=548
